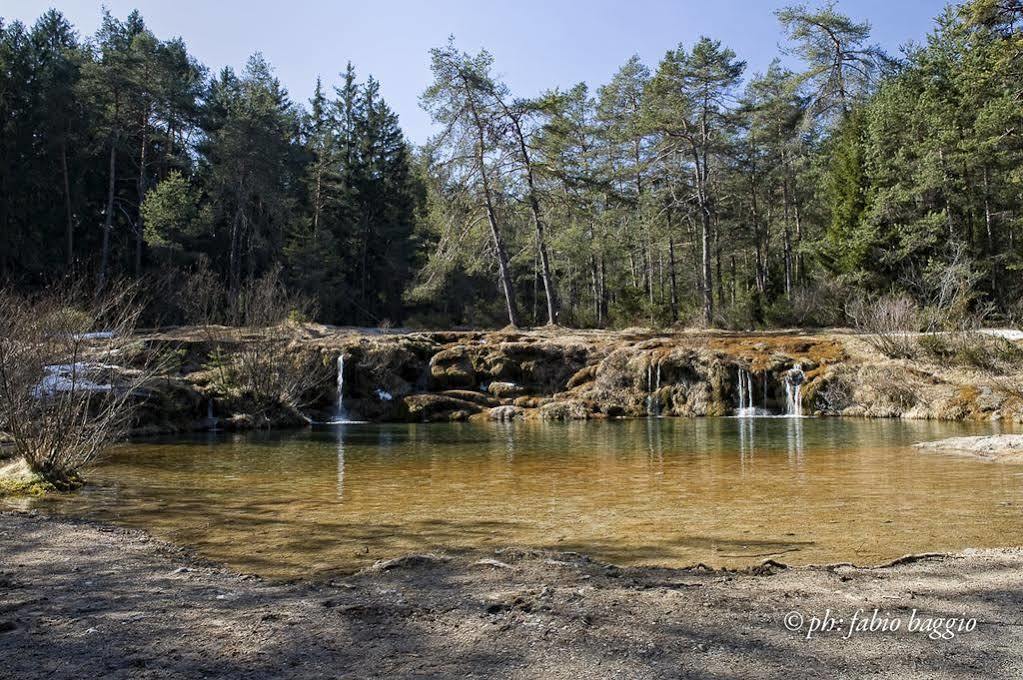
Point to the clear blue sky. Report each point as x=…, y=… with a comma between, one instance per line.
x=537, y=44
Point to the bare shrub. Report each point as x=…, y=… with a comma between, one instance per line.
x=949, y=292
x=973, y=349
x=269, y=375
x=62, y=401
x=251, y=332
x=258, y=303
x=835, y=395
x=816, y=304
x=888, y=323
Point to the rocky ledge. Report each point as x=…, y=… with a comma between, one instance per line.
x=562, y=374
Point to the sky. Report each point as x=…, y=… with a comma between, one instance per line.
x=537, y=44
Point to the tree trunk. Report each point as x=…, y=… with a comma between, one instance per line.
x=504, y=270
x=139, y=228
x=708, y=276
x=234, y=257
x=104, y=262
x=69, y=230
x=786, y=237
x=671, y=275
x=538, y=225
x=800, y=264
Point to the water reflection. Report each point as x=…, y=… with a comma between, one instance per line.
x=656, y=491
x=794, y=433
x=340, y=434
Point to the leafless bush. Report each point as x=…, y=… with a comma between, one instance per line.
x=62, y=399
x=268, y=374
x=973, y=349
x=262, y=372
x=835, y=395
x=258, y=303
x=888, y=323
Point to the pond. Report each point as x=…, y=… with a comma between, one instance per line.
x=673, y=492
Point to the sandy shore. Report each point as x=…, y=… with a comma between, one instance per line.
x=80, y=599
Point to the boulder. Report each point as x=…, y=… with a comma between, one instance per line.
x=504, y=413
x=477, y=398
x=505, y=390
x=570, y=409
x=452, y=369
x=439, y=408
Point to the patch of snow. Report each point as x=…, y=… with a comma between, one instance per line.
x=95, y=335
x=68, y=378
x=1012, y=334
x=384, y=396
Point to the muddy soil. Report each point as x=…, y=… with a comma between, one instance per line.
x=81, y=599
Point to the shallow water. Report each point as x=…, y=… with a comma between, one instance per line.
x=722, y=491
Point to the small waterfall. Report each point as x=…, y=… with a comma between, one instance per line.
x=653, y=399
x=746, y=407
x=211, y=420
x=340, y=415
x=793, y=392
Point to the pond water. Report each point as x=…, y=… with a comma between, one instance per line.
x=723, y=491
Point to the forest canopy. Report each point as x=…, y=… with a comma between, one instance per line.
x=687, y=191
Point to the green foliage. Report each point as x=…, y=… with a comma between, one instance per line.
x=849, y=240
x=171, y=213
x=683, y=192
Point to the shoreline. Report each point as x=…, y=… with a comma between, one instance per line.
x=81, y=598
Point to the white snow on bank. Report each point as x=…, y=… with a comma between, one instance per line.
x=95, y=335
x=1012, y=334
x=69, y=378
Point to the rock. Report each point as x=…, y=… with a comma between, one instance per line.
x=504, y=413
x=582, y=376
x=570, y=409
x=437, y=407
x=505, y=390
x=1002, y=448
x=452, y=368
x=469, y=395
x=407, y=562
x=488, y=562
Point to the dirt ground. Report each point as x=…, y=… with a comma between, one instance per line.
x=80, y=599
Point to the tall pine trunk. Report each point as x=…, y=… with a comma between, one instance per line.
x=538, y=225
x=140, y=228
x=708, y=275
x=504, y=269
x=69, y=229
x=104, y=262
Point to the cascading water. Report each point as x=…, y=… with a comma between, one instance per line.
x=340, y=415
x=653, y=399
x=211, y=420
x=793, y=392
x=746, y=407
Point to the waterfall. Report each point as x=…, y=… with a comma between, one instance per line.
x=742, y=390
x=211, y=420
x=746, y=407
x=339, y=410
x=653, y=399
x=793, y=392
